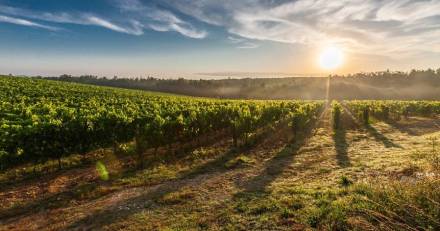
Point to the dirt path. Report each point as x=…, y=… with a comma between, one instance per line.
x=207, y=195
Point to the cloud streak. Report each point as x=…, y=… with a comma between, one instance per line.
x=132, y=28
x=242, y=43
x=159, y=19
x=137, y=18
x=24, y=22
x=135, y=29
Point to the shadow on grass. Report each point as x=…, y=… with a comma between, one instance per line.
x=49, y=170
x=273, y=168
x=147, y=200
x=416, y=126
x=52, y=201
x=400, y=127
x=380, y=137
x=255, y=198
x=63, y=198
x=276, y=166
x=87, y=190
x=12, y=177
x=372, y=131
x=341, y=146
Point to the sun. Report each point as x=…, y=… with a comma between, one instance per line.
x=331, y=58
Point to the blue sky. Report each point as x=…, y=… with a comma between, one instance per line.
x=180, y=38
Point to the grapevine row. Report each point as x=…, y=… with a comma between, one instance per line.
x=390, y=109
x=42, y=120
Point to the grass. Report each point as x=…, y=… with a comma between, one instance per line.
x=177, y=197
x=397, y=206
x=271, y=185
x=150, y=176
x=31, y=171
x=239, y=161
x=345, y=181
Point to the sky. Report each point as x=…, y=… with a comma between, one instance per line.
x=212, y=38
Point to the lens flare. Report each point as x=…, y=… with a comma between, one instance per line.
x=102, y=171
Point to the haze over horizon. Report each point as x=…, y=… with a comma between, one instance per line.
x=183, y=38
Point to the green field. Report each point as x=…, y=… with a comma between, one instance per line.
x=77, y=157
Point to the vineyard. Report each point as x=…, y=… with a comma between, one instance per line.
x=43, y=120
x=212, y=164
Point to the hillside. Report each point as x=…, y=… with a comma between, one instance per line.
x=213, y=164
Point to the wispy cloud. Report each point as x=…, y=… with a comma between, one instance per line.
x=166, y=21
x=368, y=26
x=242, y=43
x=132, y=27
x=136, y=18
x=24, y=22
x=135, y=29
x=160, y=19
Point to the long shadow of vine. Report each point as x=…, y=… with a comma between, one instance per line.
x=146, y=201
x=381, y=137
x=276, y=166
x=341, y=146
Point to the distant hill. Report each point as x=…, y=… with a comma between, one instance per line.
x=417, y=84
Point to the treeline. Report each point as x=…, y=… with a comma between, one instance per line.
x=413, y=85
x=260, y=88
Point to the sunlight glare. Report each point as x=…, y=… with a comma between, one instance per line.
x=331, y=58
